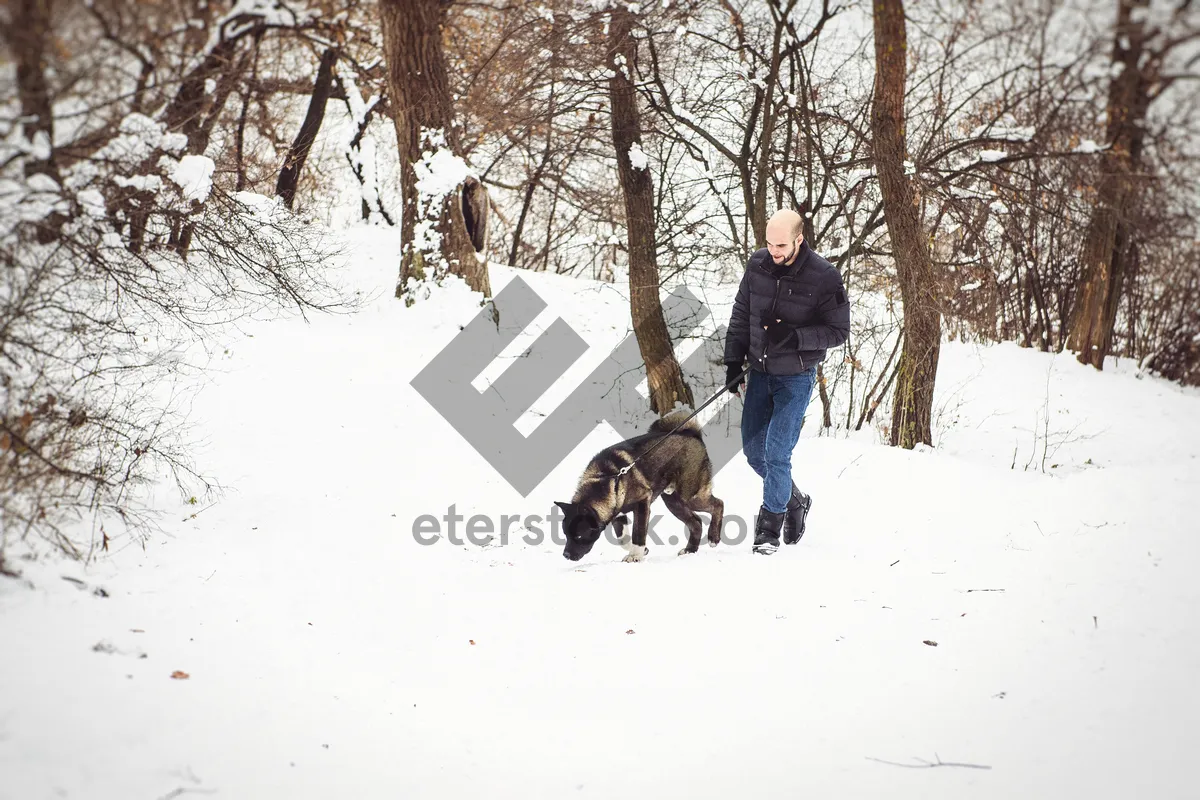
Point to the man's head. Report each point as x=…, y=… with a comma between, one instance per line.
x=785, y=231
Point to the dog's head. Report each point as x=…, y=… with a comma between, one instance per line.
x=581, y=527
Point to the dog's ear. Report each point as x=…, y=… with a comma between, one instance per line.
x=568, y=508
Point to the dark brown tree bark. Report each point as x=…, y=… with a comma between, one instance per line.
x=289, y=176
x=1106, y=243
x=240, y=144
x=192, y=113
x=419, y=93
x=187, y=109
x=667, y=386
x=913, y=405
x=530, y=187
x=27, y=38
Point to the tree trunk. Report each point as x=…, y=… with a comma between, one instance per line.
x=423, y=112
x=535, y=181
x=368, y=182
x=240, y=138
x=240, y=143
x=1107, y=240
x=289, y=176
x=186, y=114
x=530, y=188
x=26, y=39
x=913, y=405
x=667, y=387
x=186, y=111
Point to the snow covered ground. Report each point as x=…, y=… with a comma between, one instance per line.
x=1048, y=547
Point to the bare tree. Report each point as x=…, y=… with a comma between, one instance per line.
x=913, y=405
x=433, y=229
x=289, y=175
x=130, y=247
x=27, y=37
x=1110, y=240
x=667, y=387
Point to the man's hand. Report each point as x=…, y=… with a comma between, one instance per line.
x=733, y=372
x=779, y=333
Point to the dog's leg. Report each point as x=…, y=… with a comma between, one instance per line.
x=619, y=524
x=716, y=510
x=681, y=509
x=641, y=522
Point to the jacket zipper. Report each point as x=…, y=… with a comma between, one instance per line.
x=771, y=315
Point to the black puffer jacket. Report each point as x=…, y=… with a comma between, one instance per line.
x=808, y=296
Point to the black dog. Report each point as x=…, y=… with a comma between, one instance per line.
x=679, y=471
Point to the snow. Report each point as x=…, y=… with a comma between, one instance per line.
x=173, y=142
x=41, y=183
x=1047, y=545
x=276, y=13
x=1006, y=130
x=990, y=156
x=193, y=176
x=141, y=183
x=41, y=147
x=637, y=156
x=92, y=203
x=1089, y=146
x=439, y=172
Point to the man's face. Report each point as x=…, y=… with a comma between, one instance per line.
x=781, y=247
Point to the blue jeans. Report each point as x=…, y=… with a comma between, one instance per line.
x=771, y=418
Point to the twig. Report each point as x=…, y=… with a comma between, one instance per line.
x=851, y=464
x=894, y=563
x=195, y=514
x=183, y=790
x=928, y=764
x=985, y=590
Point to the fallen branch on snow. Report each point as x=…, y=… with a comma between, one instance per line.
x=928, y=764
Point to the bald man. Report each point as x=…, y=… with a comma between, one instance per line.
x=791, y=308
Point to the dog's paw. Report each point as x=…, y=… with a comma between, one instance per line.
x=686, y=552
x=713, y=542
x=635, y=556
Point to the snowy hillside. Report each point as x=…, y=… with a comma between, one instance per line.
x=1009, y=615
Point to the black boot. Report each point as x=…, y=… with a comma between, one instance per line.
x=797, y=511
x=766, y=531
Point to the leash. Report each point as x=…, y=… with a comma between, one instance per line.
x=625, y=469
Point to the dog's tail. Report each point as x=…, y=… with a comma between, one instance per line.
x=669, y=421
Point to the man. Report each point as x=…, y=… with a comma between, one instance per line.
x=791, y=307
